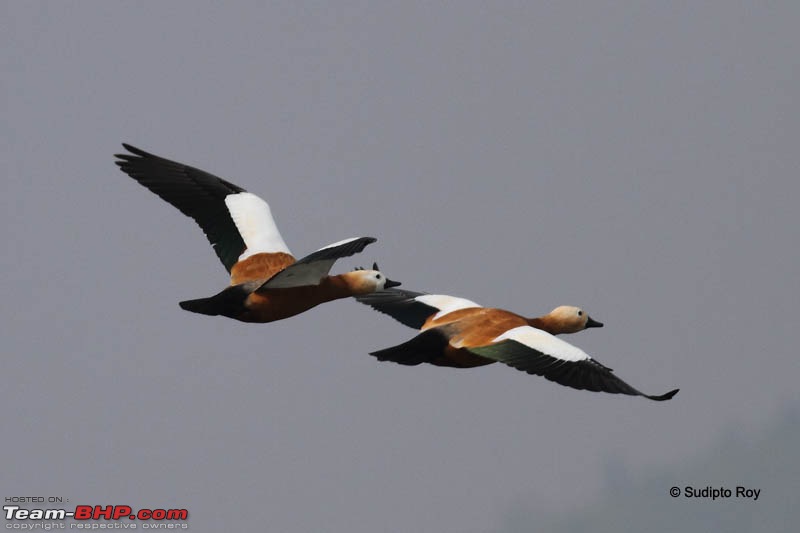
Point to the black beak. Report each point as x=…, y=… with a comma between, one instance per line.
x=591, y=323
x=391, y=283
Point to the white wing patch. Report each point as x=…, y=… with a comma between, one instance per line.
x=445, y=304
x=254, y=221
x=339, y=243
x=543, y=342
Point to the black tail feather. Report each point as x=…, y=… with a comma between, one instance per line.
x=204, y=306
x=230, y=302
x=424, y=348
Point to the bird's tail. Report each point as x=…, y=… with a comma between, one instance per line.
x=424, y=348
x=230, y=302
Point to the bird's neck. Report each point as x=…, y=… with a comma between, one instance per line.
x=344, y=285
x=546, y=323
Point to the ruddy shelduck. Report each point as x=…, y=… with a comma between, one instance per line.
x=456, y=332
x=266, y=282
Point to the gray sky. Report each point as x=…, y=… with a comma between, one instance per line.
x=638, y=159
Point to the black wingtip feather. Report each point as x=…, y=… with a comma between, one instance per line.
x=194, y=192
x=134, y=150
x=663, y=397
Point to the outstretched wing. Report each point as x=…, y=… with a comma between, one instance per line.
x=537, y=352
x=413, y=308
x=315, y=266
x=237, y=223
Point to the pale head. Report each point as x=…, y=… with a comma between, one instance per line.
x=571, y=319
x=365, y=281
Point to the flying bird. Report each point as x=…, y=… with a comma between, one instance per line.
x=266, y=282
x=459, y=333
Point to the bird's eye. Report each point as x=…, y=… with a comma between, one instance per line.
x=378, y=276
x=580, y=313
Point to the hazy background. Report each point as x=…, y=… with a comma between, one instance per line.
x=638, y=159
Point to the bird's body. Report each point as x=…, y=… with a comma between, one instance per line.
x=471, y=327
x=267, y=283
x=246, y=303
x=455, y=332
